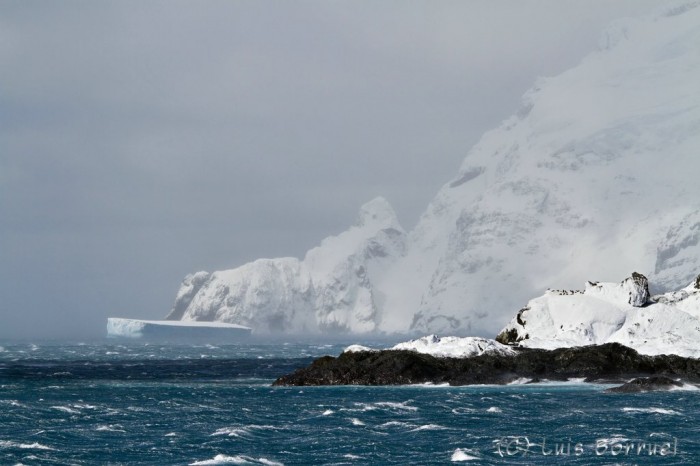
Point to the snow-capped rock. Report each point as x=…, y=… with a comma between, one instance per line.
x=606, y=313
x=445, y=347
x=595, y=174
x=454, y=347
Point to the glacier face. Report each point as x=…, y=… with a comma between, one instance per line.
x=594, y=175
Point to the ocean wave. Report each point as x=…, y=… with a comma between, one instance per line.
x=241, y=431
x=463, y=454
x=651, y=410
x=24, y=446
x=428, y=427
x=238, y=459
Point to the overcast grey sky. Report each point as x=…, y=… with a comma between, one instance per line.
x=143, y=140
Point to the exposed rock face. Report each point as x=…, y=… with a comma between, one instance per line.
x=638, y=288
x=390, y=367
x=646, y=384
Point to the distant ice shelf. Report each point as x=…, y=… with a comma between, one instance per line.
x=174, y=329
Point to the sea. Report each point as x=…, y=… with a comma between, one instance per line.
x=112, y=402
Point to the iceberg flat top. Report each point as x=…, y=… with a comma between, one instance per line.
x=177, y=323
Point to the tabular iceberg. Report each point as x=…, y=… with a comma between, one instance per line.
x=178, y=330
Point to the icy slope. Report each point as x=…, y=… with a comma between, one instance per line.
x=607, y=313
x=330, y=290
x=597, y=173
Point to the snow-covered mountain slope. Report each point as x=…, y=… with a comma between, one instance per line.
x=596, y=174
x=330, y=290
x=609, y=313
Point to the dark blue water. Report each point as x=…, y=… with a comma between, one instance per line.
x=156, y=404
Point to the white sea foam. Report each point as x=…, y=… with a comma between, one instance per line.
x=462, y=410
x=110, y=428
x=520, y=381
x=428, y=427
x=241, y=431
x=221, y=459
x=462, y=454
x=328, y=412
x=395, y=424
x=238, y=459
x=356, y=422
x=494, y=409
x=66, y=409
x=398, y=406
x=651, y=410
x=24, y=446
x=350, y=456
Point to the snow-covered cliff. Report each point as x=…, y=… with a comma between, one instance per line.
x=331, y=290
x=611, y=313
x=596, y=174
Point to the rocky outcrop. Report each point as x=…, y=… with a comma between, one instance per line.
x=647, y=384
x=391, y=367
x=622, y=312
x=637, y=287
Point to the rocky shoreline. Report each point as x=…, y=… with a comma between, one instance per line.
x=608, y=363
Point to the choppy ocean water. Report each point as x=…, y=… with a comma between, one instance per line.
x=111, y=403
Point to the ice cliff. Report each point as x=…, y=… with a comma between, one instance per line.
x=596, y=174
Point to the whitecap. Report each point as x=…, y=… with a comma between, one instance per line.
x=651, y=410
x=520, y=381
x=170, y=434
x=428, y=427
x=24, y=446
x=221, y=459
x=66, y=409
x=395, y=424
x=462, y=454
x=356, y=422
x=327, y=412
x=350, y=456
x=240, y=431
x=461, y=411
x=494, y=409
x=110, y=428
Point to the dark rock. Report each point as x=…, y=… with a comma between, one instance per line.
x=697, y=282
x=638, y=287
x=508, y=337
x=646, y=384
x=607, y=362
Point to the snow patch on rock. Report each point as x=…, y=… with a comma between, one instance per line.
x=609, y=313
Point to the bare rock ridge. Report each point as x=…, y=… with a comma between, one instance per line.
x=554, y=194
x=610, y=363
